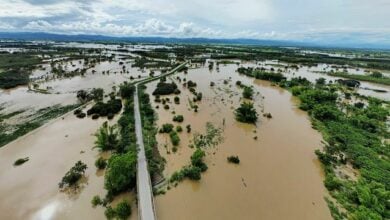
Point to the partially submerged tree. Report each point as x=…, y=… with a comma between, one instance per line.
x=107, y=137
x=73, y=175
x=247, y=92
x=246, y=113
x=121, y=173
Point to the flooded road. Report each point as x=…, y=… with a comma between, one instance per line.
x=279, y=176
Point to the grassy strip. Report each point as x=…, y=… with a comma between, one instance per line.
x=354, y=135
x=367, y=78
x=18, y=60
x=149, y=130
x=44, y=115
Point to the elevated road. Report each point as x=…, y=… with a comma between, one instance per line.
x=146, y=209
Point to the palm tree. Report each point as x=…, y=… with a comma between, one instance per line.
x=107, y=137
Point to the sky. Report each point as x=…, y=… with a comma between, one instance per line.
x=366, y=21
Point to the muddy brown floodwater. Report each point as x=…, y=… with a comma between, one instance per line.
x=279, y=176
x=30, y=191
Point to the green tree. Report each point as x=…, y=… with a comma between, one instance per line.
x=121, y=173
x=246, y=113
x=97, y=94
x=247, y=92
x=100, y=163
x=73, y=175
x=197, y=159
x=175, y=139
x=123, y=210
x=107, y=137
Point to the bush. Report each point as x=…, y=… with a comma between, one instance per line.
x=21, y=161
x=199, y=96
x=113, y=106
x=166, y=128
x=126, y=90
x=83, y=96
x=325, y=112
x=164, y=88
x=81, y=115
x=107, y=137
x=95, y=116
x=96, y=200
x=123, y=210
x=77, y=111
x=331, y=182
x=188, y=127
x=110, y=213
x=73, y=175
x=166, y=107
x=191, y=84
x=178, y=118
x=273, y=77
x=246, y=113
x=121, y=173
x=13, y=78
x=97, y=94
x=110, y=116
x=197, y=159
x=233, y=159
x=312, y=97
x=176, y=100
x=192, y=172
x=179, y=129
x=100, y=163
x=175, y=139
x=248, y=92
x=359, y=105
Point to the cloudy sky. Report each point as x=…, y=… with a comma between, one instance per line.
x=300, y=20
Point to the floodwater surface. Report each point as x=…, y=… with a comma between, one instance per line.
x=279, y=176
x=30, y=191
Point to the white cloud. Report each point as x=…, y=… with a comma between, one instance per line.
x=19, y=8
x=260, y=19
x=151, y=27
x=6, y=27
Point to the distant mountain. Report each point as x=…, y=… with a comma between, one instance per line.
x=29, y=36
x=83, y=37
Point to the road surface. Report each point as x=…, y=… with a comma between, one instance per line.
x=144, y=187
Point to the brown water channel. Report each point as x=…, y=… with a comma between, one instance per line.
x=279, y=176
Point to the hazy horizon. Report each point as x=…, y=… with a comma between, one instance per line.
x=347, y=22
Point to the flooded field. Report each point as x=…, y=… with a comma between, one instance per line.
x=313, y=73
x=63, y=90
x=52, y=150
x=279, y=175
x=279, y=171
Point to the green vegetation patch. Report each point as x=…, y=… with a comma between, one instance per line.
x=368, y=78
x=9, y=133
x=73, y=175
x=246, y=113
x=149, y=130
